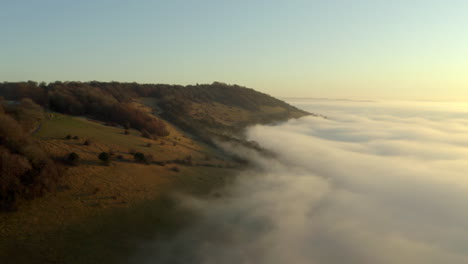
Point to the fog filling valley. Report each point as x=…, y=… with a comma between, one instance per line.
x=371, y=183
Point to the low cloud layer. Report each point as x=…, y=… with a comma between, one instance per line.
x=359, y=187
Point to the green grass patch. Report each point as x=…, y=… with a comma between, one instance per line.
x=59, y=126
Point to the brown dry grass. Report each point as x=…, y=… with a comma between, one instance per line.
x=91, y=190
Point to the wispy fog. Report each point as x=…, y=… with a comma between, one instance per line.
x=373, y=183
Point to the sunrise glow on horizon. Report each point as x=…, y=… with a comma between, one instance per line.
x=337, y=49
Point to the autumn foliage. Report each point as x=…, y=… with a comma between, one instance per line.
x=26, y=171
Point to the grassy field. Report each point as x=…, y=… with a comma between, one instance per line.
x=59, y=126
x=100, y=210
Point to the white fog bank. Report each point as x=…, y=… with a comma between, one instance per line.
x=373, y=183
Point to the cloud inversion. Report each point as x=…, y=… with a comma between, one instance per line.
x=367, y=188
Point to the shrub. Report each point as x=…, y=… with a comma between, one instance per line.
x=139, y=157
x=27, y=113
x=13, y=166
x=73, y=158
x=76, y=137
x=104, y=157
x=87, y=142
x=12, y=134
x=120, y=157
x=149, y=145
x=126, y=132
x=175, y=169
x=132, y=151
x=68, y=136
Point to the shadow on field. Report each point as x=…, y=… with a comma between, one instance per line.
x=111, y=237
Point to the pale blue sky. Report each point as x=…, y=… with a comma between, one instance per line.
x=413, y=49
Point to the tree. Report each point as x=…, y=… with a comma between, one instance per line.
x=104, y=157
x=12, y=167
x=139, y=157
x=73, y=158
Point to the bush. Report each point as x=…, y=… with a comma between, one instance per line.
x=76, y=137
x=13, y=166
x=87, y=142
x=139, y=157
x=120, y=157
x=175, y=169
x=27, y=113
x=68, y=136
x=12, y=134
x=149, y=145
x=104, y=157
x=73, y=158
x=126, y=132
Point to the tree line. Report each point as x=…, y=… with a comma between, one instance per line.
x=112, y=102
x=104, y=102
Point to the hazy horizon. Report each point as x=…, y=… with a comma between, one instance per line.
x=353, y=49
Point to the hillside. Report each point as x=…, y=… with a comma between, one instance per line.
x=204, y=110
x=46, y=196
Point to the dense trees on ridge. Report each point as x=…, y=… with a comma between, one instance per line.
x=112, y=102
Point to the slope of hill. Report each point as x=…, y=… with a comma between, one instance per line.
x=158, y=140
x=218, y=109
x=170, y=115
x=203, y=110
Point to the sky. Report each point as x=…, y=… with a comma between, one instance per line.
x=399, y=49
